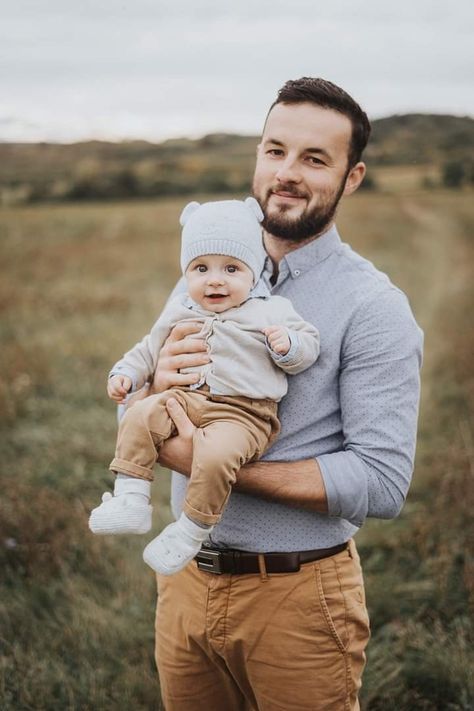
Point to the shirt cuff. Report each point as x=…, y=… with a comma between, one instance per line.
x=290, y=356
x=129, y=372
x=345, y=482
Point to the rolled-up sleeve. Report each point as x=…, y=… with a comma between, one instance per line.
x=379, y=399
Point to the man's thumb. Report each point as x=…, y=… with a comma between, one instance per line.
x=178, y=415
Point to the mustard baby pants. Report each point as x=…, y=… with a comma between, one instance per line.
x=230, y=431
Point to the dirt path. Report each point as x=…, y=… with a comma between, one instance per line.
x=438, y=254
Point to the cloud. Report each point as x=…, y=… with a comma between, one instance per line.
x=158, y=69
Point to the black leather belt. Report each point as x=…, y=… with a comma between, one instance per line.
x=218, y=561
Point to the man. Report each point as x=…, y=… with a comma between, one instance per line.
x=284, y=625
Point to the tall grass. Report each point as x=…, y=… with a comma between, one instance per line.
x=81, y=283
x=419, y=569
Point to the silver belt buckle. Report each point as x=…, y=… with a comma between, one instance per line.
x=210, y=561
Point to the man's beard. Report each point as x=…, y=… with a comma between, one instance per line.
x=308, y=224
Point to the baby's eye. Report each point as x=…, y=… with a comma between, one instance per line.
x=201, y=268
x=231, y=268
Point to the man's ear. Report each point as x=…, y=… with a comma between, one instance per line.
x=355, y=178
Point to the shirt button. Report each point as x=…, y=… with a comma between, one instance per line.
x=297, y=272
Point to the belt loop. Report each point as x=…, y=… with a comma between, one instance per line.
x=262, y=568
x=350, y=548
x=236, y=558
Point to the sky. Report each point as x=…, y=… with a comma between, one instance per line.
x=124, y=69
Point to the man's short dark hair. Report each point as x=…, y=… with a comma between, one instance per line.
x=329, y=96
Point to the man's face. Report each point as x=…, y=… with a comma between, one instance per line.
x=301, y=170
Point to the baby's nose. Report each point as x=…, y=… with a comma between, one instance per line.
x=215, y=279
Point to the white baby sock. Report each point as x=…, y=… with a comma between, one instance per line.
x=176, y=546
x=127, y=511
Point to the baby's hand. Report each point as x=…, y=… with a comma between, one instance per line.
x=118, y=387
x=278, y=339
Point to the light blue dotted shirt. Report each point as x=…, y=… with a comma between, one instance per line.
x=355, y=410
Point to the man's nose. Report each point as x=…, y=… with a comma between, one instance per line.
x=288, y=171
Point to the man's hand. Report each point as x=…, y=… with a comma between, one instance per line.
x=118, y=387
x=180, y=350
x=278, y=339
x=177, y=452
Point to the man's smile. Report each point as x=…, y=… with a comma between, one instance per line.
x=286, y=196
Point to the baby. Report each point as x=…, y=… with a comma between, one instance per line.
x=253, y=339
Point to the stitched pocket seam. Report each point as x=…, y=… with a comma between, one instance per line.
x=327, y=614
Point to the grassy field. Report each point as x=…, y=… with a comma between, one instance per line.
x=80, y=283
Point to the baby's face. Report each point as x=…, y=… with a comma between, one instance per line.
x=218, y=283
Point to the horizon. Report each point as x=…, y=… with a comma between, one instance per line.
x=199, y=137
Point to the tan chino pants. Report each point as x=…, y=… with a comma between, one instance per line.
x=286, y=642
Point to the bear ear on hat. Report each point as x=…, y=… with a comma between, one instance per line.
x=190, y=208
x=253, y=205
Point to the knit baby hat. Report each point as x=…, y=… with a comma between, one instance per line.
x=228, y=227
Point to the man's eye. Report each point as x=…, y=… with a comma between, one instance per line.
x=275, y=152
x=315, y=161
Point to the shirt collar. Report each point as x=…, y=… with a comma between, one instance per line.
x=191, y=304
x=260, y=290
x=304, y=258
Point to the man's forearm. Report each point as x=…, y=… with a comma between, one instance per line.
x=298, y=484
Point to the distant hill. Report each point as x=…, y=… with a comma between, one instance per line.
x=218, y=163
x=420, y=138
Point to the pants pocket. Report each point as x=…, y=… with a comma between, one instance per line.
x=333, y=611
x=341, y=598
